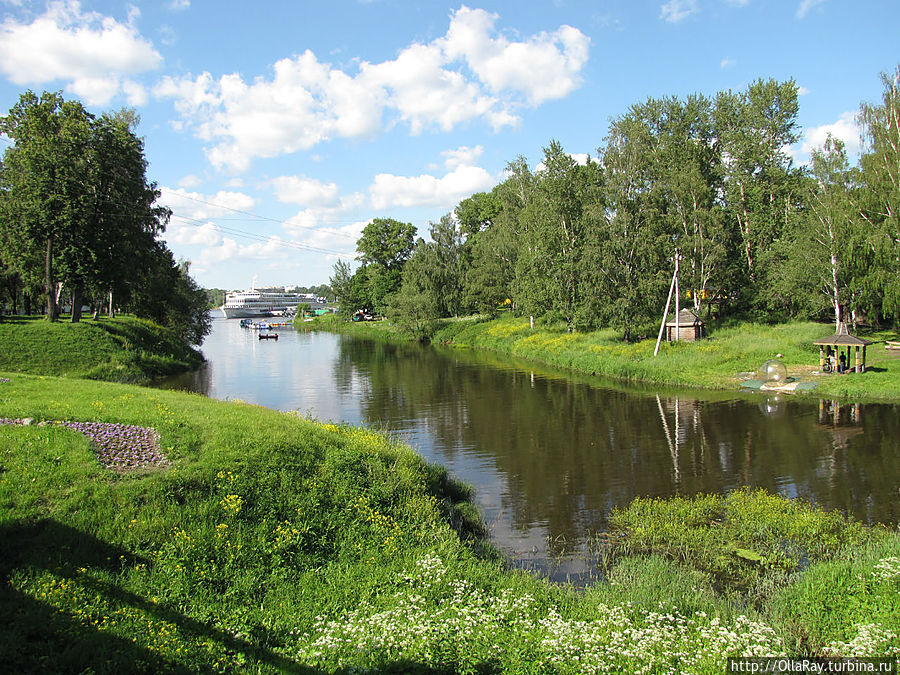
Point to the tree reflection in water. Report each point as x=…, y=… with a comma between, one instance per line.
x=550, y=454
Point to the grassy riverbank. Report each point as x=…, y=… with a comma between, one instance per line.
x=262, y=541
x=124, y=349
x=713, y=363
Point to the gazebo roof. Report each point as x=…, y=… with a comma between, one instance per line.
x=686, y=317
x=843, y=339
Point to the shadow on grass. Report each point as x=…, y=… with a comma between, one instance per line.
x=38, y=637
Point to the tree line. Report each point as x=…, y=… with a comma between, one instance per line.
x=707, y=179
x=79, y=221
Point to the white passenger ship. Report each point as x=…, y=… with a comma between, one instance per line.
x=252, y=303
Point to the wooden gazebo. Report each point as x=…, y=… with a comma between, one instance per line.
x=843, y=340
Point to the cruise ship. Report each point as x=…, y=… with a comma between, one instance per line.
x=253, y=303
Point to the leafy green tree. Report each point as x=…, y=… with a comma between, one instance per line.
x=880, y=202
x=492, y=246
x=383, y=247
x=45, y=193
x=76, y=197
x=168, y=295
x=753, y=129
x=821, y=268
x=124, y=220
x=551, y=262
x=633, y=242
x=349, y=287
x=418, y=302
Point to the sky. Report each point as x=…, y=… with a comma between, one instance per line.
x=276, y=130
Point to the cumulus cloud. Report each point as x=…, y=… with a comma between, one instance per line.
x=470, y=73
x=462, y=156
x=845, y=129
x=388, y=190
x=91, y=53
x=197, y=206
x=675, y=11
x=304, y=191
x=187, y=233
x=542, y=67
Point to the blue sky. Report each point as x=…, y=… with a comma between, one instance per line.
x=278, y=129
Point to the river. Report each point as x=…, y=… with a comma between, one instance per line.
x=550, y=454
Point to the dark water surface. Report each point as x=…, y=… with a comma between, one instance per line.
x=549, y=455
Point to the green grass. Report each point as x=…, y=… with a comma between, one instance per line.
x=713, y=363
x=273, y=543
x=124, y=349
x=721, y=361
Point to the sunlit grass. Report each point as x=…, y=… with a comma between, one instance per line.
x=124, y=349
x=274, y=543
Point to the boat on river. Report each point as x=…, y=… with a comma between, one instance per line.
x=254, y=303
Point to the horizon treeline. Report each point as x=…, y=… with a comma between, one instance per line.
x=709, y=179
x=79, y=220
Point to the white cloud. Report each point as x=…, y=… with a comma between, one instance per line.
x=197, y=206
x=677, y=10
x=806, y=6
x=179, y=5
x=803, y=91
x=135, y=93
x=470, y=73
x=312, y=228
x=93, y=54
x=844, y=129
x=390, y=191
x=186, y=233
x=545, y=66
x=305, y=191
x=462, y=156
x=726, y=63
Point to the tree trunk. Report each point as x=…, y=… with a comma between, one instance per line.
x=49, y=285
x=76, y=303
x=111, y=313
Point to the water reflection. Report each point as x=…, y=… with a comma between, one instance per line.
x=550, y=455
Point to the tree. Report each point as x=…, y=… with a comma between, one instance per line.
x=490, y=223
x=633, y=240
x=383, y=247
x=45, y=193
x=75, y=190
x=880, y=164
x=124, y=220
x=418, y=302
x=821, y=265
x=754, y=128
x=550, y=264
x=166, y=293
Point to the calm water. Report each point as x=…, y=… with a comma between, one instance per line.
x=549, y=455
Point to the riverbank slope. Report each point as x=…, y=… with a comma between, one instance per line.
x=238, y=538
x=721, y=361
x=124, y=349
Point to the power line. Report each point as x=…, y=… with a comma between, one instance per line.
x=194, y=222
x=257, y=216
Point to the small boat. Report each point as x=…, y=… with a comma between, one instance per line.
x=268, y=336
